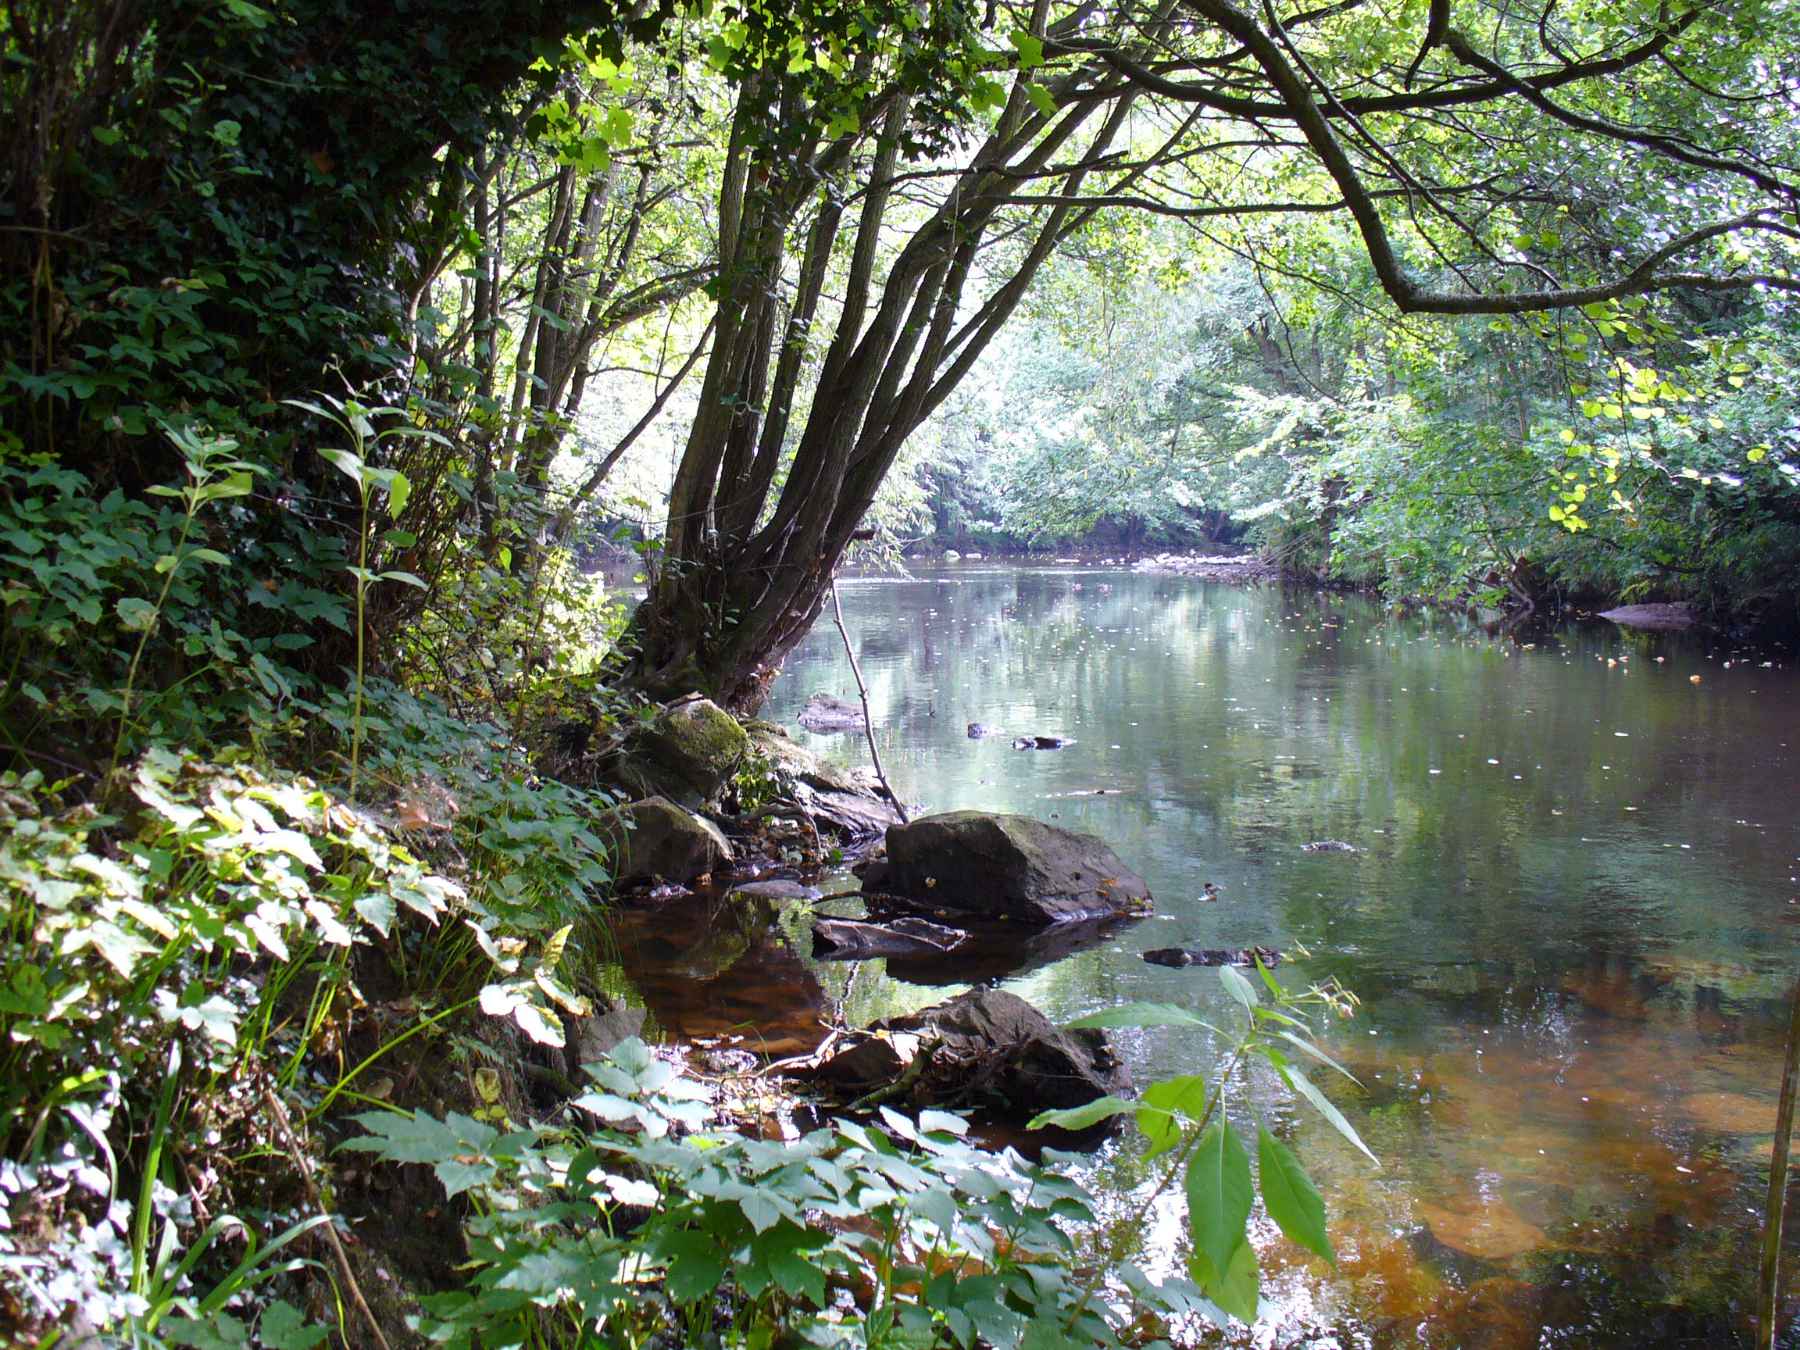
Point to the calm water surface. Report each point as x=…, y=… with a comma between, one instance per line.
x=1571, y=918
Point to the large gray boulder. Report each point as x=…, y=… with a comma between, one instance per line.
x=985, y=1048
x=686, y=754
x=657, y=838
x=1007, y=866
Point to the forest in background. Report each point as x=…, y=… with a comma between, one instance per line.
x=333, y=336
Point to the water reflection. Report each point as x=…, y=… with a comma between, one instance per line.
x=1570, y=917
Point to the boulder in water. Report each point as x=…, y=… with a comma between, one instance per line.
x=657, y=838
x=985, y=1048
x=1007, y=866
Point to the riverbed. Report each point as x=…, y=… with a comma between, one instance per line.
x=1569, y=916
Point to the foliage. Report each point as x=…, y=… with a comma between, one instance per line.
x=641, y=1220
x=1186, y=1119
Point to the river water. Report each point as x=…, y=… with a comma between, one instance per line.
x=1570, y=918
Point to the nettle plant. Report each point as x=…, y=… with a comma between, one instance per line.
x=1184, y=1118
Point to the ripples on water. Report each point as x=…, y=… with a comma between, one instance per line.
x=1570, y=921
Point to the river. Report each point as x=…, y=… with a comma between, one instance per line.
x=1569, y=918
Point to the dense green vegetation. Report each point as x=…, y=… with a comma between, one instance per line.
x=333, y=335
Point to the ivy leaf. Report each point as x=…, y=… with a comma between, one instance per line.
x=1292, y=1200
x=138, y=616
x=283, y=1327
x=1219, y=1194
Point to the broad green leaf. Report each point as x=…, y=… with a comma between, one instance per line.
x=1301, y=1084
x=1219, y=1193
x=1140, y=1015
x=347, y=463
x=1184, y=1095
x=1291, y=1198
x=399, y=488
x=1083, y=1117
x=407, y=577
x=1041, y=99
x=695, y=1269
x=1238, y=1290
x=942, y=1122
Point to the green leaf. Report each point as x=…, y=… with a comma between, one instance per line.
x=1141, y=1015
x=347, y=463
x=1291, y=1198
x=283, y=1327
x=407, y=577
x=1030, y=49
x=137, y=615
x=208, y=555
x=1237, y=1291
x=695, y=1269
x=1219, y=1193
x=1299, y=1082
x=399, y=488
x=1184, y=1095
x=1083, y=1117
x=1040, y=99
x=1238, y=987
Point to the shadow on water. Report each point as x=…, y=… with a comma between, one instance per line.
x=1570, y=917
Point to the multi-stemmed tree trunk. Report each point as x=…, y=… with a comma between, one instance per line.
x=761, y=511
x=1434, y=147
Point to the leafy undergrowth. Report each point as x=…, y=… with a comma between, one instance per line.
x=197, y=982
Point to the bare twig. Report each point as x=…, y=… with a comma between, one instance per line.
x=862, y=691
x=1775, y=1211
x=304, y=1163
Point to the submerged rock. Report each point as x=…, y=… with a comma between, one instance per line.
x=1329, y=846
x=985, y=1048
x=1658, y=618
x=844, y=939
x=657, y=838
x=1213, y=956
x=1042, y=742
x=826, y=714
x=686, y=754
x=1010, y=866
x=776, y=889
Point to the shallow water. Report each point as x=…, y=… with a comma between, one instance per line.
x=1570, y=919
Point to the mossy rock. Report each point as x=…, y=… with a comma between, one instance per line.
x=687, y=754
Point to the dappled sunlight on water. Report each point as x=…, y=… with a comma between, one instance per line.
x=1570, y=919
